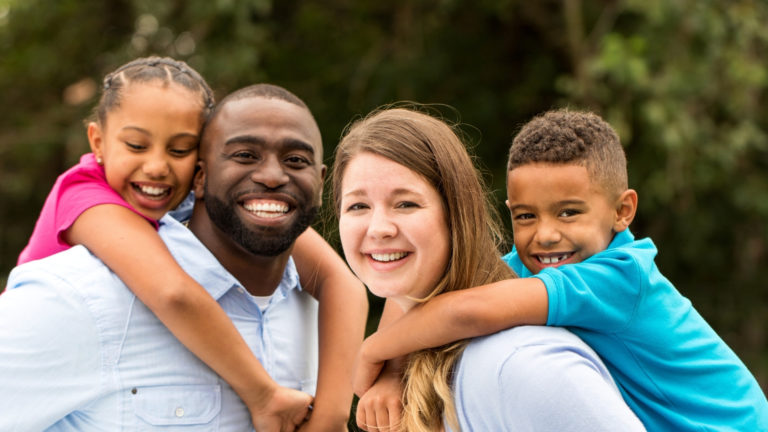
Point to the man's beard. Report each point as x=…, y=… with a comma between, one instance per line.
x=266, y=241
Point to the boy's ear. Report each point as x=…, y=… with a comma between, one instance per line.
x=626, y=207
x=96, y=140
x=198, y=182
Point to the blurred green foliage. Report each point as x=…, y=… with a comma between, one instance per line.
x=683, y=82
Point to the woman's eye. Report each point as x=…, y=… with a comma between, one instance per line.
x=356, y=206
x=407, y=204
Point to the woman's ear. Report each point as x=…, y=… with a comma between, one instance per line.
x=96, y=141
x=626, y=207
x=198, y=182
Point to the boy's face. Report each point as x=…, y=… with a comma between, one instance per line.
x=559, y=216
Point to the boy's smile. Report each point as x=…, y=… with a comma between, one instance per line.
x=559, y=216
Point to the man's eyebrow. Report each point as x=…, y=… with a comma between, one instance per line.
x=289, y=143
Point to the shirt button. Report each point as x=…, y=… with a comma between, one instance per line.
x=241, y=290
x=179, y=412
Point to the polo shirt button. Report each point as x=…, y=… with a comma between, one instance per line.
x=179, y=412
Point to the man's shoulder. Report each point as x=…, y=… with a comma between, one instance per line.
x=70, y=264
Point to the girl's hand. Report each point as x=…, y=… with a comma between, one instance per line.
x=365, y=372
x=380, y=409
x=285, y=411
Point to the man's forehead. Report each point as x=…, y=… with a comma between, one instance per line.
x=260, y=115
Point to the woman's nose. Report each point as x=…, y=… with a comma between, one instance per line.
x=381, y=225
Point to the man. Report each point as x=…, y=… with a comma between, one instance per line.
x=79, y=352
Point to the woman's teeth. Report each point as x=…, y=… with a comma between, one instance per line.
x=389, y=256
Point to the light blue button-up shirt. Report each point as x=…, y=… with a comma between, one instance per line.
x=79, y=352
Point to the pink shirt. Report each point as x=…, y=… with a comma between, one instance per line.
x=75, y=191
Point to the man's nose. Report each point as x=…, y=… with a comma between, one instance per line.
x=270, y=172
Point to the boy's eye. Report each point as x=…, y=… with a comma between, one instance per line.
x=523, y=216
x=569, y=213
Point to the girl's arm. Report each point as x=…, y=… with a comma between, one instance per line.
x=134, y=251
x=451, y=317
x=343, y=311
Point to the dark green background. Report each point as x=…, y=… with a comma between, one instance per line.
x=683, y=82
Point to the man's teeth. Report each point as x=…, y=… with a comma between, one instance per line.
x=389, y=256
x=553, y=259
x=153, y=190
x=267, y=210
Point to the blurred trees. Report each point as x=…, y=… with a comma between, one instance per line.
x=683, y=82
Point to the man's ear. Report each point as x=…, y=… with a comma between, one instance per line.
x=96, y=140
x=198, y=182
x=626, y=207
x=323, y=171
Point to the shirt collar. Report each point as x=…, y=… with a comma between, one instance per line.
x=202, y=266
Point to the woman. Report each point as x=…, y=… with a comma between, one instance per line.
x=414, y=223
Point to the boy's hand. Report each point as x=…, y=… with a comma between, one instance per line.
x=366, y=372
x=380, y=409
x=285, y=410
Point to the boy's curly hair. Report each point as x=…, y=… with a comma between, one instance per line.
x=573, y=137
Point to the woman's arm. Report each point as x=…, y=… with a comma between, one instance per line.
x=343, y=311
x=130, y=246
x=451, y=317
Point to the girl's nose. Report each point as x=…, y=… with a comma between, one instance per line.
x=156, y=168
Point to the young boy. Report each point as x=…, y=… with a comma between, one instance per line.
x=581, y=267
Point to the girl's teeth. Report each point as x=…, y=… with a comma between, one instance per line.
x=388, y=256
x=152, y=190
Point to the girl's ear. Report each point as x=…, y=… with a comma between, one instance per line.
x=198, y=182
x=96, y=141
x=626, y=207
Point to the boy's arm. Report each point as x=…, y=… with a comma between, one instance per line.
x=343, y=311
x=134, y=251
x=450, y=317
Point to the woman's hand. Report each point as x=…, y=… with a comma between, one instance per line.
x=380, y=409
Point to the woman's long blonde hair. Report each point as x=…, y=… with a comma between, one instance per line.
x=432, y=149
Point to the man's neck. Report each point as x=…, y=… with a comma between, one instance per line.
x=260, y=275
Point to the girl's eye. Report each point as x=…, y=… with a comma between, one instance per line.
x=181, y=152
x=133, y=146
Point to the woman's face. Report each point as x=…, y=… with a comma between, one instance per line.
x=393, y=228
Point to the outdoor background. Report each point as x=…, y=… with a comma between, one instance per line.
x=684, y=82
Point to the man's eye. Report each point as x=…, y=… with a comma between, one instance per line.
x=297, y=161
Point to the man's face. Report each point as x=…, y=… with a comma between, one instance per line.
x=262, y=173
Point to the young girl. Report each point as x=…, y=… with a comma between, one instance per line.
x=144, y=140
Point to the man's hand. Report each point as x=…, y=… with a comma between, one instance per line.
x=284, y=411
x=380, y=409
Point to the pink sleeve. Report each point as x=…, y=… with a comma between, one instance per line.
x=78, y=189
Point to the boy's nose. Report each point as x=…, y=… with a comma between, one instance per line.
x=270, y=173
x=547, y=234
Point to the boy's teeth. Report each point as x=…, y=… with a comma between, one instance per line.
x=388, y=256
x=553, y=259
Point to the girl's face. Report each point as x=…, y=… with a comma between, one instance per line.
x=149, y=145
x=393, y=228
